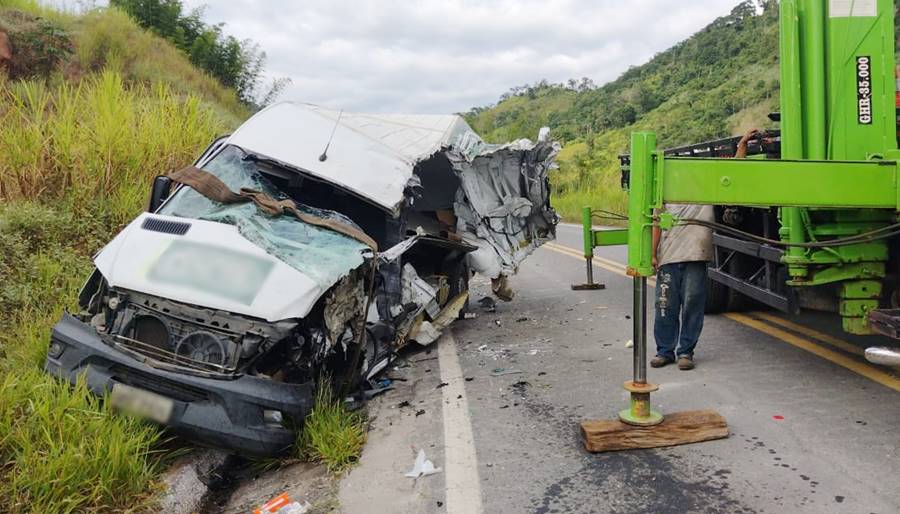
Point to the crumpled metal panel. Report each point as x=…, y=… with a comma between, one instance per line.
x=503, y=205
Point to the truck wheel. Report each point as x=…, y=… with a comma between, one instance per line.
x=739, y=267
x=716, y=297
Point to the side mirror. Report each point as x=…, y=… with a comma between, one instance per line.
x=160, y=190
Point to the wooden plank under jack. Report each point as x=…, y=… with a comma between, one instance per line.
x=677, y=428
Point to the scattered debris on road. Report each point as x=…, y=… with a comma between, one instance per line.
x=521, y=385
x=488, y=304
x=282, y=504
x=422, y=467
x=499, y=372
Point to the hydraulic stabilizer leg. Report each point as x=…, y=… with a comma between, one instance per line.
x=588, y=236
x=639, y=412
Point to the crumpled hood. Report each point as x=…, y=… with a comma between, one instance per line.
x=206, y=264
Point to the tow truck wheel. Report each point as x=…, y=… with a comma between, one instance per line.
x=740, y=266
x=716, y=297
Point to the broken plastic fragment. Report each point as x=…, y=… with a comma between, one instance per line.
x=282, y=504
x=499, y=372
x=295, y=508
x=425, y=334
x=422, y=467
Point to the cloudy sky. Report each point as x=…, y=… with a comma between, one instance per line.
x=440, y=56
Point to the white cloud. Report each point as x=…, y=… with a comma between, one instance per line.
x=450, y=55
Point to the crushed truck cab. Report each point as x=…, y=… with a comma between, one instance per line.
x=310, y=243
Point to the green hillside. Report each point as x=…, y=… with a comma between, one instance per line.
x=721, y=81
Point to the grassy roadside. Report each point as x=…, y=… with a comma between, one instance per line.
x=78, y=148
x=85, y=156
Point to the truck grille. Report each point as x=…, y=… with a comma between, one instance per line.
x=161, y=355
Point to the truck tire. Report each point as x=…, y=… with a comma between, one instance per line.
x=716, y=297
x=739, y=267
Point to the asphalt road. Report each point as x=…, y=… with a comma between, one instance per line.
x=813, y=427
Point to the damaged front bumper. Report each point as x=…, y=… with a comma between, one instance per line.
x=226, y=413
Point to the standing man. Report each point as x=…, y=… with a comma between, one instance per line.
x=680, y=256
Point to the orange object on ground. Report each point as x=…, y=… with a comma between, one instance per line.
x=274, y=504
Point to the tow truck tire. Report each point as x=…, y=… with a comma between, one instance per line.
x=739, y=266
x=716, y=297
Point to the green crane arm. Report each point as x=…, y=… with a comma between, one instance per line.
x=656, y=179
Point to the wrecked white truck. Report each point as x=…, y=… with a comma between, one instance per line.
x=309, y=243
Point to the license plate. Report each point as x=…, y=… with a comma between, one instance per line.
x=141, y=403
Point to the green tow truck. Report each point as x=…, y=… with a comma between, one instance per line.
x=810, y=218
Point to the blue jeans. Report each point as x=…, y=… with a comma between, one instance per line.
x=680, y=300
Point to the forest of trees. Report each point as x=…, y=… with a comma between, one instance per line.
x=237, y=64
x=713, y=84
x=708, y=60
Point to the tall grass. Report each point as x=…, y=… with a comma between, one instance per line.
x=64, y=451
x=331, y=434
x=569, y=204
x=61, y=450
x=96, y=144
x=109, y=38
x=76, y=161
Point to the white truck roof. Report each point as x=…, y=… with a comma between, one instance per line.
x=372, y=155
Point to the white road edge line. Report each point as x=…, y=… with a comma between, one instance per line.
x=460, y=462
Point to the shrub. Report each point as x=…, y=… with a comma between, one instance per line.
x=38, y=45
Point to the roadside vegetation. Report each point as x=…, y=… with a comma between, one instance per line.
x=88, y=115
x=721, y=81
x=236, y=64
x=92, y=107
x=331, y=434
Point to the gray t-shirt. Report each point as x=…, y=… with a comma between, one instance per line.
x=686, y=243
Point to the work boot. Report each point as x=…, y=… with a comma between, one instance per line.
x=685, y=363
x=659, y=361
x=501, y=289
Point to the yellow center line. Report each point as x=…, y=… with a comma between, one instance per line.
x=842, y=360
x=581, y=254
x=870, y=372
x=815, y=334
x=608, y=265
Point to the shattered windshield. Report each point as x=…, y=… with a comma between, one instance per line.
x=319, y=253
